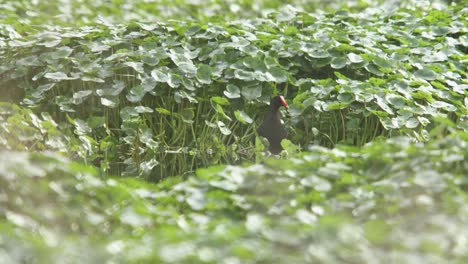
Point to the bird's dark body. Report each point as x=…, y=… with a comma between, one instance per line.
x=272, y=128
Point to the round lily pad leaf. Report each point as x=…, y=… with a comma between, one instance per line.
x=346, y=97
x=373, y=69
x=232, y=91
x=159, y=76
x=251, y=93
x=188, y=67
x=338, y=62
x=151, y=60
x=137, y=66
x=396, y=100
x=381, y=62
x=192, y=30
x=412, y=122
x=319, y=54
x=446, y=106
x=355, y=58
x=426, y=74
x=204, y=74
x=277, y=75
x=136, y=94
x=244, y=75
x=60, y=53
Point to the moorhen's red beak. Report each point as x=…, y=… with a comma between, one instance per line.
x=283, y=102
x=272, y=128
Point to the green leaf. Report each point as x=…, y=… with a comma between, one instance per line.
x=381, y=62
x=111, y=102
x=188, y=115
x=188, y=68
x=377, y=231
x=337, y=105
x=223, y=128
x=42, y=89
x=60, y=53
x=82, y=127
x=277, y=75
x=426, y=74
x=291, y=31
x=384, y=105
x=146, y=167
x=345, y=97
x=232, y=91
x=338, y=62
x=136, y=94
x=244, y=75
x=96, y=121
x=373, y=69
x=242, y=117
x=255, y=63
x=114, y=90
x=159, y=76
x=290, y=147
x=355, y=58
x=319, y=54
x=219, y=100
x=163, y=111
x=204, y=74
x=151, y=60
x=412, y=123
x=396, y=100
x=251, y=93
x=436, y=57
x=446, y=106
x=192, y=30
x=82, y=94
x=143, y=109
x=137, y=66
x=97, y=46
x=219, y=109
x=58, y=76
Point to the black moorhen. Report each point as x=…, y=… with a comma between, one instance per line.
x=272, y=128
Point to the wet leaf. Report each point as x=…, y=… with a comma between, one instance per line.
x=223, y=128
x=338, y=62
x=159, y=76
x=137, y=66
x=232, y=91
x=111, y=102
x=204, y=74
x=244, y=75
x=355, y=58
x=58, y=76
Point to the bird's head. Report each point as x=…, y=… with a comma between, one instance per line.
x=278, y=101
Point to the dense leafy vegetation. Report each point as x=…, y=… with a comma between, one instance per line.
x=187, y=93
x=393, y=200
x=101, y=99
